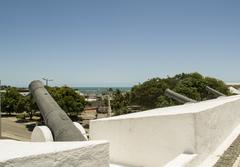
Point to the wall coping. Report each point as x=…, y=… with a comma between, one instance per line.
x=12, y=149
x=176, y=110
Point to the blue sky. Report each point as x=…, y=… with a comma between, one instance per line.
x=117, y=42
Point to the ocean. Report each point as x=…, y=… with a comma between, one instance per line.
x=100, y=90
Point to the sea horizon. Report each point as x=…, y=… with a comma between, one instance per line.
x=100, y=90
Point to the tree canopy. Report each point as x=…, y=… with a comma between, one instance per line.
x=28, y=105
x=10, y=100
x=150, y=94
x=70, y=101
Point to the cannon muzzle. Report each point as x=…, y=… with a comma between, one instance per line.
x=214, y=92
x=178, y=97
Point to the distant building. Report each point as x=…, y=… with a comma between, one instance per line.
x=24, y=91
x=2, y=91
x=236, y=85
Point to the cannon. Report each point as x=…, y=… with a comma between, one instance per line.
x=178, y=97
x=214, y=92
x=55, y=118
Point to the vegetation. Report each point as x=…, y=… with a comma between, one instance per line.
x=10, y=100
x=147, y=95
x=70, y=101
x=150, y=94
x=120, y=102
x=27, y=104
x=13, y=102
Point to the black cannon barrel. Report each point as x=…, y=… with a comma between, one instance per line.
x=214, y=92
x=54, y=117
x=180, y=98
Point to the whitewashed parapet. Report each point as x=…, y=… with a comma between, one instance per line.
x=54, y=154
x=154, y=138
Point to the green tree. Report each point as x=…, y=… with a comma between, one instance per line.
x=150, y=94
x=10, y=100
x=192, y=86
x=147, y=93
x=164, y=101
x=70, y=101
x=28, y=105
x=120, y=102
x=21, y=105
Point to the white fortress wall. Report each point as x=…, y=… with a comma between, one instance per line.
x=153, y=138
x=54, y=154
x=137, y=141
x=214, y=125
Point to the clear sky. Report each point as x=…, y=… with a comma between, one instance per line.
x=117, y=42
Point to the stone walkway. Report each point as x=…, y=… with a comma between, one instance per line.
x=237, y=162
x=230, y=157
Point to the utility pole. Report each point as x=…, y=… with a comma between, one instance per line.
x=109, y=106
x=47, y=80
